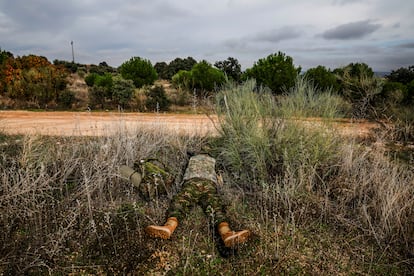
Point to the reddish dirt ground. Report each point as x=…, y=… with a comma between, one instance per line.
x=100, y=123
x=106, y=123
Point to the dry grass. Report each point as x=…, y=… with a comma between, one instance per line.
x=325, y=205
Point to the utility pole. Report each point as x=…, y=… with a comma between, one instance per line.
x=73, y=53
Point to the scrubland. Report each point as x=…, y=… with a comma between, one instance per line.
x=316, y=202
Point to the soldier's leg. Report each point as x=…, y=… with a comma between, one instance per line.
x=211, y=203
x=179, y=207
x=213, y=207
x=183, y=201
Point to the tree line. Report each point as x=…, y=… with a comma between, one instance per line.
x=39, y=83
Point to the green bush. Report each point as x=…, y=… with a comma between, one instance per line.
x=203, y=77
x=322, y=78
x=157, y=99
x=122, y=91
x=139, y=70
x=276, y=71
x=66, y=98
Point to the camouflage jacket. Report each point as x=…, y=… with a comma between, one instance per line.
x=201, y=166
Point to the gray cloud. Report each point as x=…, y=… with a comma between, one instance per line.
x=161, y=30
x=278, y=35
x=352, y=30
x=409, y=45
x=346, y=2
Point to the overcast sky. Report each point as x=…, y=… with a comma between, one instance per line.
x=332, y=33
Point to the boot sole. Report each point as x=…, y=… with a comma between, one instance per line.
x=158, y=233
x=236, y=239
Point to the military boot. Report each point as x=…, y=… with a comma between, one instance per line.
x=163, y=232
x=232, y=238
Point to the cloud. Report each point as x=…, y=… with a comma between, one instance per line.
x=409, y=45
x=278, y=35
x=353, y=30
x=345, y=2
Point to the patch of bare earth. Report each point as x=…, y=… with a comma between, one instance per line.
x=107, y=123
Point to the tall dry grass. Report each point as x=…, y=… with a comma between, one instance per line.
x=316, y=202
x=302, y=173
x=62, y=200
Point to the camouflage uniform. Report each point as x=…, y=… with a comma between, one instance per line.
x=199, y=187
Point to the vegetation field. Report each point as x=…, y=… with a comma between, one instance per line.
x=316, y=202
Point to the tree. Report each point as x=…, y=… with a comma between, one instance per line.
x=323, y=78
x=183, y=79
x=91, y=78
x=179, y=64
x=355, y=70
x=162, y=70
x=360, y=87
x=276, y=71
x=139, y=70
x=231, y=67
x=205, y=77
x=4, y=55
x=101, y=89
x=123, y=90
x=394, y=92
x=402, y=75
x=157, y=99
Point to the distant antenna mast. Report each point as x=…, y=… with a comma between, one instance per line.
x=73, y=53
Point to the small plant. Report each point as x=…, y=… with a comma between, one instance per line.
x=157, y=99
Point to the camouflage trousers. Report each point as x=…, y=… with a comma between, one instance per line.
x=198, y=191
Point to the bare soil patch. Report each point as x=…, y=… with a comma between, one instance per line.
x=106, y=123
x=100, y=123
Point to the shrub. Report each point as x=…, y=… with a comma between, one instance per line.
x=305, y=99
x=276, y=71
x=157, y=99
x=323, y=78
x=66, y=98
x=259, y=144
x=122, y=91
x=139, y=70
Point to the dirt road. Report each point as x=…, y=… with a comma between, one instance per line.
x=106, y=123
x=100, y=123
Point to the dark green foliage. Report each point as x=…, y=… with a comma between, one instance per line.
x=162, y=69
x=179, y=64
x=206, y=77
x=157, y=99
x=97, y=96
x=105, y=81
x=4, y=55
x=359, y=87
x=231, y=67
x=66, y=98
x=139, y=70
x=91, y=78
x=276, y=71
x=394, y=92
x=323, y=78
x=355, y=70
x=101, y=69
x=101, y=90
x=203, y=77
x=410, y=92
x=123, y=91
x=402, y=75
x=183, y=79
